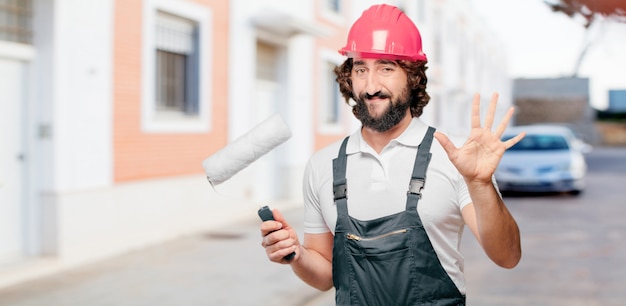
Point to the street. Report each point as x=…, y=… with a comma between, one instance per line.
x=574, y=248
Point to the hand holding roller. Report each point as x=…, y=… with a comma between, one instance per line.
x=243, y=151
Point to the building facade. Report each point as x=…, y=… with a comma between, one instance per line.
x=560, y=101
x=109, y=108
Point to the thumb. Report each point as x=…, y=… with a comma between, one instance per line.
x=445, y=142
x=278, y=217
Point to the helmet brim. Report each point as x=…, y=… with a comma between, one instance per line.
x=382, y=55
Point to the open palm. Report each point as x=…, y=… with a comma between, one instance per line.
x=479, y=157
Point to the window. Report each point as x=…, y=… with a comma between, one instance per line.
x=333, y=97
x=176, y=65
x=330, y=105
x=540, y=143
x=16, y=21
x=176, y=69
x=333, y=5
x=331, y=10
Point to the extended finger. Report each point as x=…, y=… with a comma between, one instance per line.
x=505, y=121
x=491, y=111
x=476, y=111
x=511, y=142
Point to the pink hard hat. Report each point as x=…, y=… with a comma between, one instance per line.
x=384, y=31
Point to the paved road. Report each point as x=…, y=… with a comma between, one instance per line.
x=574, y=248
x=574, y=254
x=226, y=267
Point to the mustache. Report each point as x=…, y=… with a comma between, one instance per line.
x=378, y=94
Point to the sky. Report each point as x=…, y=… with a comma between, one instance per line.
x=541, y=43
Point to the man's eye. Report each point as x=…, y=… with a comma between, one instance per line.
x=359, y=70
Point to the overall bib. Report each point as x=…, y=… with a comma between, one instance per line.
x=390, y=260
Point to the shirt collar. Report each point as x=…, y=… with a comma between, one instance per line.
x=411, y=137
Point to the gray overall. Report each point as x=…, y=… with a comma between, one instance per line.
x=389, y=260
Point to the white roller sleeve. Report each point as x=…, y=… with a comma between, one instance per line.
x=244, y=150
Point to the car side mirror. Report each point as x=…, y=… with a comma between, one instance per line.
x=582, y=146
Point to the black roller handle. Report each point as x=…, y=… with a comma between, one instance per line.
x=266, y=215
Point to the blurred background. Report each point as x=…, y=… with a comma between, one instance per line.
x=109, y=107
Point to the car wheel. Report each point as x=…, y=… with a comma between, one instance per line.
x=575, y=192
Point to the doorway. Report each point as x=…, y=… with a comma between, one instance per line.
x=268, y=99
x=12, y=232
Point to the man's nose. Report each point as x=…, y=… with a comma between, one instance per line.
x=373, y=84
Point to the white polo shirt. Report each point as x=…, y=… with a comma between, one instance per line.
x=377, y=186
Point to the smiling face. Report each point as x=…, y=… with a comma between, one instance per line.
x=380, y=90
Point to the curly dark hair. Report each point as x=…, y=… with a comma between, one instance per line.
x=416, y=83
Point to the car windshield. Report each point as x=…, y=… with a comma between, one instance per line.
x=540, y=143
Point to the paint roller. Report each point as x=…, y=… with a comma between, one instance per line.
x=243, y=151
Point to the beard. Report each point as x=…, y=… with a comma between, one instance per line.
x=391, y=117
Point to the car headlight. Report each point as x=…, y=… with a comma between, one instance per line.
x=578, y=169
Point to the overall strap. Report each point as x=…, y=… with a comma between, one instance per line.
x=340, y=183
x=418, y=178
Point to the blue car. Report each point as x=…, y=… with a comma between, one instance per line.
x=549, y=159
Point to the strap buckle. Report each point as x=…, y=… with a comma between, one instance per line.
x=340, y=191
x=416, y=186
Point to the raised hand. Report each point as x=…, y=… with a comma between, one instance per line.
x=479, y=157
